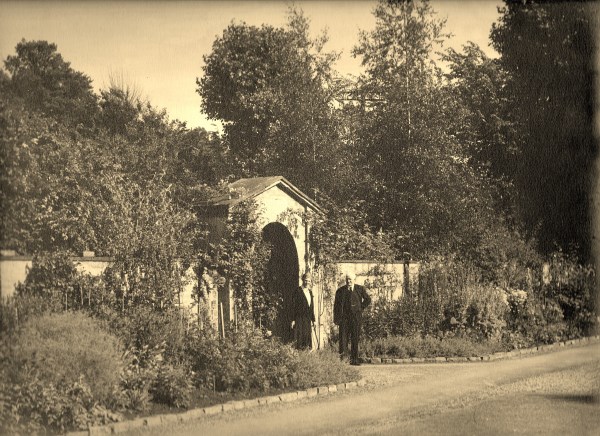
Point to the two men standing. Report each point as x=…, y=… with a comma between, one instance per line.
x=350, y=301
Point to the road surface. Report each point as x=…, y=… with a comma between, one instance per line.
x=551, y=393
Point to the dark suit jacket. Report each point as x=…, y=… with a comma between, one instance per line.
x=348, y=305
x=300, y=307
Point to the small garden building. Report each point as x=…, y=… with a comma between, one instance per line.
x=278, y=201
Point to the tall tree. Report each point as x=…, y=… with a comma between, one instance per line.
x=424, y=189
x=47, y=83
x=64, y=190
x=482, y=119
x=272, y=89
x=547, y=50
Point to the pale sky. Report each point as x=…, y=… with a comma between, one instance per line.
x=158, y=45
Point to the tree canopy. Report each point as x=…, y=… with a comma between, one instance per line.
x=546, y=50
x=426, y=160
x=272, y=88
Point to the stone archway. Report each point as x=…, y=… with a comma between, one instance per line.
x=282, y=275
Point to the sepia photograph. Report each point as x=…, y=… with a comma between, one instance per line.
x=270, y=217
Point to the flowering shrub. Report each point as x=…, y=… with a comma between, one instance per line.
x=530, y=321
x=572, y=286
x=241, y=361
x=448, y=301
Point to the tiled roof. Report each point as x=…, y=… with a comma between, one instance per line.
x=244, y=189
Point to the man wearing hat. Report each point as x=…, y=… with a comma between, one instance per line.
x=350, y=300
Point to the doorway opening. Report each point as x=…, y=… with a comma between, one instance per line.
x=282, y=275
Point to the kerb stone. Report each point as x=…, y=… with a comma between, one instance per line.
x=290, y=396
x=323, y=390
x=312, y=392
x=213, y=410
x=153, y=421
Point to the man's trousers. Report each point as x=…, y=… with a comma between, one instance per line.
x=350, y=332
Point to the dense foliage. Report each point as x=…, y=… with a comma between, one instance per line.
x=63, y=365
x=59, y=373
x=480, y=170
x=546, y=50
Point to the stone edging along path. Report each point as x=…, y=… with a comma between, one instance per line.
x=174, y=418
x=487, y=357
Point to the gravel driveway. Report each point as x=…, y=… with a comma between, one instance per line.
x=407, y=398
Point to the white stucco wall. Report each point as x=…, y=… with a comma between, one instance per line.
x=12, y=271
x=273, y=204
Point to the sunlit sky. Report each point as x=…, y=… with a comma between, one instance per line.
x=157, y=46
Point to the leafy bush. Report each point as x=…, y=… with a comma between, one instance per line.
x=322, y=368
x=67, y=347
x=448, y=300
x=573, y=287
x=241, y=361
x=246, y=360
x=34, y=405
x=172, y=386
x=144, y=329
x=49, y=287
x=138, y=377
x=531, y=321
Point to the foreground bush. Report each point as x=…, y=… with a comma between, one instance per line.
x=56, y=372
x=35, y=406
x=320, y=368
x=67, y=348
x=246, y=361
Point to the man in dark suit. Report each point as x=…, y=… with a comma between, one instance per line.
x=303, y=313
x=350, y=301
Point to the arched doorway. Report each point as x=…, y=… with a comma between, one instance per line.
x=281, y=275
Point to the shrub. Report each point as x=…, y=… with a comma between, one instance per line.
x=573, y=287
x=320, y=368
x=448, y=298
x=246, y=360
x=54, y=278
x=146, y=328
x=33, y=405
x=65, y=347
x=241, y=361
x=137, y=378
x=172, y=386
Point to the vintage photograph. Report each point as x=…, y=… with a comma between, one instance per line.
x=337, y=217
